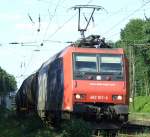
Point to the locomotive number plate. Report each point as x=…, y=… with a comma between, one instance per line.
x=99, y=97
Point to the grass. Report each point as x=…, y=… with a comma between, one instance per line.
x=141, y=104
x=140, y=109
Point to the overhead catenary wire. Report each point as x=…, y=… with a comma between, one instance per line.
x=117, y=33
x=59, y=28
x=41, y=44
x=34, y=25
x=114, y=13
x=31, y=19
x=125, y=18
x=39, y=26
x=52, y=17
x=30, y=60
x=112, y=35
x=148, y=19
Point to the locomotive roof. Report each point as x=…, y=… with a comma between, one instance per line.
x=72, y=48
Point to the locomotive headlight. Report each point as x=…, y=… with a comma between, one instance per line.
x=117, y=97
x=79, y=96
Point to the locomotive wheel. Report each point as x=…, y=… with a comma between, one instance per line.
x=123, y=118
x=126, y=118
x=110, y=133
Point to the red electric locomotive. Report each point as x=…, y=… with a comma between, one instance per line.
x=96, y=82
x=84, y=79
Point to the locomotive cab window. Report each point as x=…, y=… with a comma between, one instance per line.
x=85, y=63
x=91, y=66
x=111, y=64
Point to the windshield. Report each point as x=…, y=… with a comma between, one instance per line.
x=86, y=63
x=111, y=64
x=91, y=66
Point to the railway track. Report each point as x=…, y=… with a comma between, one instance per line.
x=130, y=129
x=134, y=129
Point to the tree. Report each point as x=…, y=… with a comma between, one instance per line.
x=135, y=38
x=7, y=82
x=133, y=31
x=146, y=30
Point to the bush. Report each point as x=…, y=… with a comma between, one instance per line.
x=77, y=128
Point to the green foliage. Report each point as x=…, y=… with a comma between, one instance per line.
x=7, y=82
x=146, y=30
x=32, y=126
x=135, y=39
x=77, y=128
x=141, y=77
x=142, y=104
x=133, y=31
x=29, y=126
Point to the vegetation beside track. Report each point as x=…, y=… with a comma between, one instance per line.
x=140, y=110
x=13, y=126
x=140, y=104
x=32, y=126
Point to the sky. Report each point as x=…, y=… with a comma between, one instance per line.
x=19, y=22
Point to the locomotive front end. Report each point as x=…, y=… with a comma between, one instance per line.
x=100, y=84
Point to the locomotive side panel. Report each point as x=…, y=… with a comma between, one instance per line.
x=42, y=91
x=127, y=80
x=25, y=97
x=55, y=86
x=68, y=81
x=50, y=87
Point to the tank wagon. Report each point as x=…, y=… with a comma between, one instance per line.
x=81, y=79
